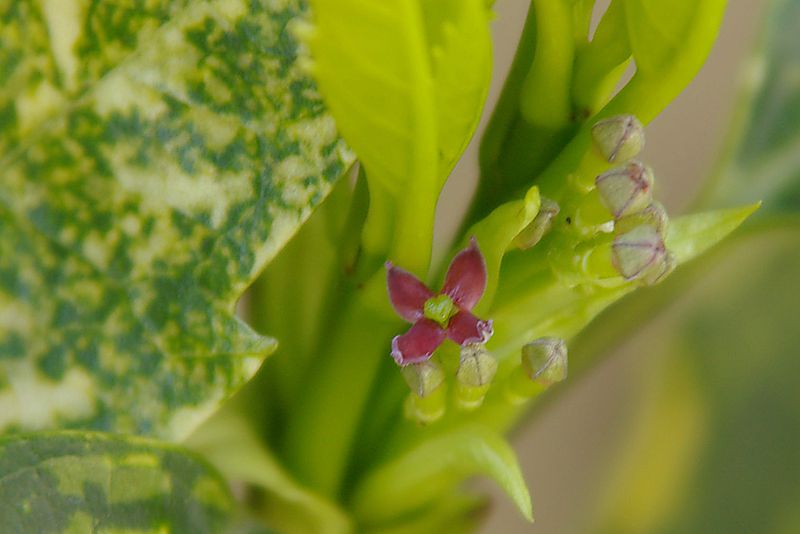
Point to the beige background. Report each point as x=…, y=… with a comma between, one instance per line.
x=567, y=453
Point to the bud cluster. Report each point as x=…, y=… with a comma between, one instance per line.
x=638, y=251
x=621, y=229
x=427, y=381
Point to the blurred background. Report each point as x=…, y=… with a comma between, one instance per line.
x=692, y=423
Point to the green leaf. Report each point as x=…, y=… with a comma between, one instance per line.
x=89, y=482
x=402, y=78
x=432, y=468
x=599, y=63
x=455, y=514
x=461, y=62
x=228, y=441
x=495, y=234
x=659, y=32
x=372, y=66
x=405, y=81
x=670, y=42
x=155, y=158
x=691, y=235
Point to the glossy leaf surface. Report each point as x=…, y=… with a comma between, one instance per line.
x=155, y=157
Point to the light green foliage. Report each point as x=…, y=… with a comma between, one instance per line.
x=231, y=444
x=496, y=233
x=599, y=62
x=670, y=42
x=75, y=482
x=155, y=157
x=405, y=80
x=426, y=471
x=372, y=65
x=461, y=63
x=691, y=235
x=455, y=513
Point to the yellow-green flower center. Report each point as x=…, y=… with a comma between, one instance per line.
x=440, y=309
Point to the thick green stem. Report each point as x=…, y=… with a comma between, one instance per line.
x=600, y=63
x=545, y=95
x=321, y=429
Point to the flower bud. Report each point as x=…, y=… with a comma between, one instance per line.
x=539, y=226
x=640, y=254
x=475, y=373
x=654, y=215
x=660, y=271
x=544, y=362
x=626, y=190
x=618, y=138
x=426, y=403
x=423, y=378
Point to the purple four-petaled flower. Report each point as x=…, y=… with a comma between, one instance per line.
x=436, y=316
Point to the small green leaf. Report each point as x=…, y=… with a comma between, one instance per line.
x=599, y=62
x=659, y=32
x=691, y=235
x=405, y=81
x=228, y=441
x=495, y=234
x=455, y=514
x=87, y=482
x=670, y=42
x=461, y=61
x=433, y=467
x=155, y=158
x=372, y=65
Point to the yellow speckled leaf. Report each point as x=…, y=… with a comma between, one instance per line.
x=76, y=482
x=155, y=155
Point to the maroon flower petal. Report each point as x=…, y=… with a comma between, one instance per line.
x=465, y=328
x=418, y=343
x=466, y=277
x=406, y=292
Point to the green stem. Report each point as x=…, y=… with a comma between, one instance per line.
x=321, y=429
x=600, y=63
x=545, y=95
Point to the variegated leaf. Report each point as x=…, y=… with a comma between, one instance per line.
x=79, y=482
x=155, y=155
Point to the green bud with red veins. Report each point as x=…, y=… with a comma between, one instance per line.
x=476, y=371
x=660, y=271
x=539, y=226
x=626, y=190
x=654, y=215
x=427, y=400
x=640, y=254
x=544, y=360
x=423, y=378
x=618, y=138
x=543, y=363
